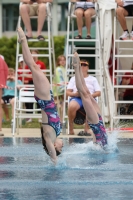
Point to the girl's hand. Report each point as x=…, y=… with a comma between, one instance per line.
x=8, y=77
x=12, y=78
x=76, y=94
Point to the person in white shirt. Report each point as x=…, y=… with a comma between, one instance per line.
x=125, y=8
x=75, y=101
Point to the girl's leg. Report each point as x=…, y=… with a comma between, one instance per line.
x=95, y=120
x=85, y=95
x=24, y=11
x=88, y=14
x=41, y=83
x=95, y=105
x=79, y=14
x=6, y=111
x=41, y=17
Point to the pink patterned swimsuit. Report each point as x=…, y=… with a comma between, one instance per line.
x=49, y=108
x=99, y=131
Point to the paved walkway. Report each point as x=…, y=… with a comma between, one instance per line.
x=35, y=132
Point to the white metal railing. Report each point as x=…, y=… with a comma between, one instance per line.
x=120, y=46
x=98, y=71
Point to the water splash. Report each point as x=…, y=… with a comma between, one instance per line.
x=112, y=141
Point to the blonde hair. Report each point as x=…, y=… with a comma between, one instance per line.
x=11, y=70
x=59, y=58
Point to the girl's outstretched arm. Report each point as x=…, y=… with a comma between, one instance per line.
x=51, y=148
x=25, y=49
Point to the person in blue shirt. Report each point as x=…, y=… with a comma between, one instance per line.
x=9, y=92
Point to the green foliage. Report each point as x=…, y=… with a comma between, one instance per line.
x=8, y=49
x=59, y=45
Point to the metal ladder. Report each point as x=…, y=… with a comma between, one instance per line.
x=122, y=47
x=49, y=54
x=70, y=48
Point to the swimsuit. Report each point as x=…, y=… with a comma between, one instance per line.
x=99, y=131
x=49, y=108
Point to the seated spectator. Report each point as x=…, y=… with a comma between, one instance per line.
x=127, y=79
x=3, y=78
x=28, y=76
x=34, y=8
x=76, y=102
x=21, y=75
x=9, y=94
x=21, y=66
x=84, y=9
x=59, y=78
x=125, y=8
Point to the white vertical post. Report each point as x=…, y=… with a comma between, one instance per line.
x=55, y=18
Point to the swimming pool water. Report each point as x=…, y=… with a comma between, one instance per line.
x=83, y=172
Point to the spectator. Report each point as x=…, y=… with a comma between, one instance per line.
x=125, y=8
x=3, y=78
x=59, y=78
x=76, y=102
x=9, y=94
x=127, y=79
x=28, y=76
x=34, y=8
x=21, y=75
x=84, y=9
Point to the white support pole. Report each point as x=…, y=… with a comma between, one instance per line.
x=55, y=18
x=0, y=19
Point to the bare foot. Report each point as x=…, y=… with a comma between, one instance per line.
x=75, y=60
x=21, y=34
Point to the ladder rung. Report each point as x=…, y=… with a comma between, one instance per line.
x=28, y=70
x=36, y=40
x=123, y=117
x=83, y=40
x=85, y=55
x=122, y=70
x=123, y=86
x=123, y=56
x=37, y=55
x=123, y=102
x=123, y=49
x=40, y=48
x=90, y=70
x=91, y=48
x=129, y=17
x=123, y=41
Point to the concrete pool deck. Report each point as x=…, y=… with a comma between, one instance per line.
x=35, y=132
